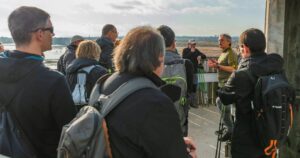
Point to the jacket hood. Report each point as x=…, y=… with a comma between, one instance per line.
x=171, y=56
x=105, y=42
x=79, y=63
x=72, y=48
x=264, y=64
x=14, y=69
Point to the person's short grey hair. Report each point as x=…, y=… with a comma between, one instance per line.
x=139, y=51
x=226, y=36
x=25, y=20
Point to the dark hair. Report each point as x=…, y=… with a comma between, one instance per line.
x=139, y=51
x=106, y=28
x=168, y=34
x=23, y=21
x=254, y=39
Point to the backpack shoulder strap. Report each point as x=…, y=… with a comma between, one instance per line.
x=82, y=74
x=87, y=69
x=109, y=102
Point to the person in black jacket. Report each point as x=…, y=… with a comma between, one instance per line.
x=139, y=126
x=107, y=44
x=195, y=56
x=86, y=55
x=184, y=71
x=239, y=89
x=69, y=54
x=44, y=104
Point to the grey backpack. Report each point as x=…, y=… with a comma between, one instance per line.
x=175, y=73
x=79, y=93
x=84, y=136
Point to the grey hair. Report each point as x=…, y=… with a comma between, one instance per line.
x=226, y=36
x=139, y=51
x=25, y=20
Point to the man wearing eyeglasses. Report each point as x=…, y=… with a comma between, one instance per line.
x=226, y=64
x=37, y=97
x=107, y=44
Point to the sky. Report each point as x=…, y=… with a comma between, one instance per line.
x=185, y=17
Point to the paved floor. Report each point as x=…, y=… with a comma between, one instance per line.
x=203, y=122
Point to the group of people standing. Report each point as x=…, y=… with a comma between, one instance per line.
x=140, y=126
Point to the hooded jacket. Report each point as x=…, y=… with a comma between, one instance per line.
x=239, y=89
x=66, y=58
x=92, y=77
x=42, y=105
x=107, y=47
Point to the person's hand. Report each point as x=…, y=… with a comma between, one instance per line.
x=191, y=147
x=199, y=59
x=212, y=63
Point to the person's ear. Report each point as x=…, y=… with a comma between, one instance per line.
x=38, y=35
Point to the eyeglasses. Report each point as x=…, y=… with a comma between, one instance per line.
x=50, y=29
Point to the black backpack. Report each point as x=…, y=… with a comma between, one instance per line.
x=272, y=106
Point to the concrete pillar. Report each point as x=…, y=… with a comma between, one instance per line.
x=274, y=25
x=282, y=29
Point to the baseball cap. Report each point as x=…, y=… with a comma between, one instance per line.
x=192, y=41
x=76, y=38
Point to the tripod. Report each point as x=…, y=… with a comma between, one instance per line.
x=219, y=133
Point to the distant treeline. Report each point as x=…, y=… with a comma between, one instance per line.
x=181, y=40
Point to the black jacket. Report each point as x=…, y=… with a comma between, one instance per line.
x=107, y=47
x=192, y=56
x=239, y=90
x=145, y=124
x=92, y=77
x=66, y=58
x=42, y=106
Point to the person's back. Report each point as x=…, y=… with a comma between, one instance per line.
x=44, y=104
x=86, y=56
x=140, y=125
x=179, y=72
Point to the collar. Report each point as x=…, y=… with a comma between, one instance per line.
x=22, y=55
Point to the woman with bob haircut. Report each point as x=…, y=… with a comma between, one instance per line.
x=145, y=124
x=87, y=54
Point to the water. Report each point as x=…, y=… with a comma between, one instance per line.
x=51, y=56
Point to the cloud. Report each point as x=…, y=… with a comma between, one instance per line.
x=204, y=10
x=122, y=7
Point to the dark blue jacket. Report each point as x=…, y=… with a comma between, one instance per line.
x=107, y=47
x=66, y=58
